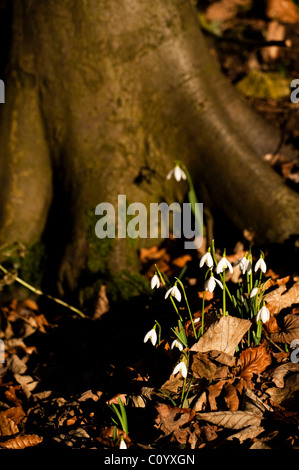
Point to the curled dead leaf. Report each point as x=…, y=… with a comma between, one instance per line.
x=21, y=442
x=253, y=361
x=231, y=397
x=290, y=330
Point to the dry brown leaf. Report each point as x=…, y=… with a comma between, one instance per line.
x=181, y=261
x=230, y=419
x=253, y=361
x=21, y=442
x=275, y=32
x=7, y=426
x=214, y=391
x=282, y=298
x=114, y=400
x=170, y=419
x=208, y=295
x=152, y=253
x=223, y=335
x=279, y=373
x=231, y=397
x=288, y=396
x=282, y=10
x=289, y=331
x=225, y=9
x=202, y=367
x=249, y=432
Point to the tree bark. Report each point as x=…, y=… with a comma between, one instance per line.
x=102, y=98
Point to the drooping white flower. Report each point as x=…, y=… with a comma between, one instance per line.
x=210, y=284
x=260, y=264
x=181, y=367
x=155, y=282
x=254, y=292
x=206, y=259
x=178, y=173
x=177, y=344
x=223, y=264
x=263, y=315
x=174, y=291
x=245, y=265
x=122, y=444
x=152, y=335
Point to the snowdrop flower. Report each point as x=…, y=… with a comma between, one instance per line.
x=206, y=259
x=260, y=264
x=152, y=335
x=210, y=284
x=122, y=444
x=155, y=282
x=245, y=265
x=181, y=366
x=223, y=264
x=263, y=314
x=178, y=173
x=174, y=291
x=254, y=292
x=177, y=344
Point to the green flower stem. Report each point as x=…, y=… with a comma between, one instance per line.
x=224, y=295
x=159, y=331
x=39, y=292
x=202, y=312
x=188, y=307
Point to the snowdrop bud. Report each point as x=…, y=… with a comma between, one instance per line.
x=223, y=264
x=206, y=259
x=122, y=444
x=263, y=315
x=178, y=173
x=254, y=292
x=177, y=344
x=152, y=335
x=155, y=282
x=260, y=264
x=181, y=367
x=174, y=291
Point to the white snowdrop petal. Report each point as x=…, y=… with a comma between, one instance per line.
x=177, y=173
x=254, y=292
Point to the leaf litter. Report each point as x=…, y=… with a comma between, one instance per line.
x=61, y=374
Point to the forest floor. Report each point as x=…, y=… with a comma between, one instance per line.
x=65, y=379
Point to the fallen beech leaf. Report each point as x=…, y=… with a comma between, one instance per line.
x=271, y=325
x=224, y=10
x=231, y=397
x=249, y=432
x=152, y=253
x=230, y=419
x=114, y=400
x=214, y=391
x=208, y=295
x=288, y=396
x=275, y=32
x=289, y=331
x=282, y=298
x=170, y=418
x=282, y=10
x=253, y=361
x=7, y=426
x=278, y=375
x=181, y=261
x=202, y=367
x=223, y=335
x=21, y=442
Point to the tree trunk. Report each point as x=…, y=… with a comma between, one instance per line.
x=102, y=98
